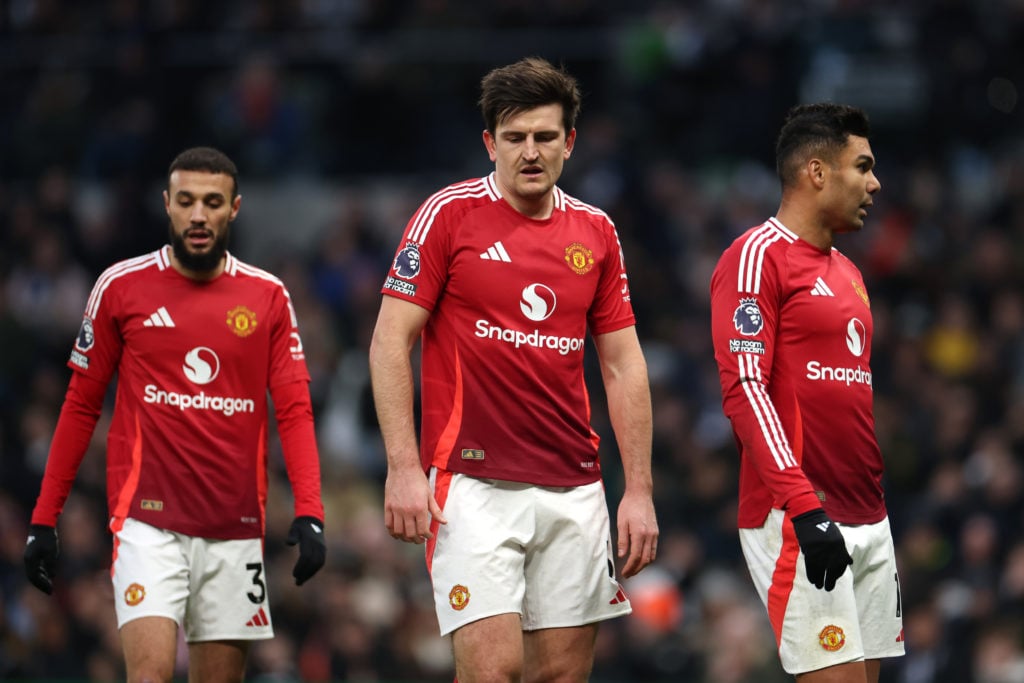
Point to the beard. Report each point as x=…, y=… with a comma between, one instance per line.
x=203, y=262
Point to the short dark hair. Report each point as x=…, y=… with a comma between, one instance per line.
x=206, y=159
x=529, y=83
x=816, y=129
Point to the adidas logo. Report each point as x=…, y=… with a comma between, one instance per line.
x=823, y=526
x=259, y=619
x=496, y=252
x=821, y=289
x=159, y=319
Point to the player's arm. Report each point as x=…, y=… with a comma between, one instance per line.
x=293, y=411
x=744, y=348
x=83, y=403
x=409, y=503
x=624, y=372
x=745, y=368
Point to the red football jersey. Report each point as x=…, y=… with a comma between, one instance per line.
x=792, y=336
x=511, y=301
x=187, y=445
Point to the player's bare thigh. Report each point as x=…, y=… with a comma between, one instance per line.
x=496, y=649
x=150, y=645
x=559, y=654
x=489, y=650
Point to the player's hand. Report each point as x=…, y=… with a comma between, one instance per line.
x=308, y=532
x=41, y=551
x=409, y=505
x=824, y=550
x=637, y=532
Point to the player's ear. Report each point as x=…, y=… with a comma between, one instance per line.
x=815, y=170
x=490, y=144
x=570, y=142
x=236, y=204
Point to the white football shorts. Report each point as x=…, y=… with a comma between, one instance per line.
x=544, y=553
x=861, y=618
x=214, y=589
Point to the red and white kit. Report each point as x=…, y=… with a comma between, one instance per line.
x=511, y=301
x=506, y=415
x=792, y=334
x=792, y=330
x=187, y=446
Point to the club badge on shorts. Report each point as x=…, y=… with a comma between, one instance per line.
x=832, y=638
x=458, y=597
x=134, y=594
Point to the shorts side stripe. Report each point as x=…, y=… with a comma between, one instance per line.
x=782, y=579
x=442, y=485
x=116, y=524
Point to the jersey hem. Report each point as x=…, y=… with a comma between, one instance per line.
x=523, y=478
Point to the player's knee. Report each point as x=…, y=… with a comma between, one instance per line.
x=557, y=672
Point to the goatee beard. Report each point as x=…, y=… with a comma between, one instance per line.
x=204, y=262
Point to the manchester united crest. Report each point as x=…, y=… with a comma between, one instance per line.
x=458, y=597
x=579, y=258
x=242, y=321
x=134, y=594
x=832, y=638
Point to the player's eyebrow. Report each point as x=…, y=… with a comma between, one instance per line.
x=206, y=197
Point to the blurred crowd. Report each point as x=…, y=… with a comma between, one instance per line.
x=343, y=116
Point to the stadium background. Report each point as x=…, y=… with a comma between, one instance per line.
x=343, y=115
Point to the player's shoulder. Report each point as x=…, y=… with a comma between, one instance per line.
x=463, y=194
x=757, y=255
x=132, y=268
x=449, y=204
x=768, y=240
x=580, y=209
x=768, y=235
x=125, y=276
x=256, y=276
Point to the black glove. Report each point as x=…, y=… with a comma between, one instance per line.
x=308, y=532
x=41, y=551
x=824, y=549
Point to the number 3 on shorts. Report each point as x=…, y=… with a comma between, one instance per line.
x=260, y=593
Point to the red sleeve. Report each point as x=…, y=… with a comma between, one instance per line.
x=419, y=269
x=744, y=324
x=294, y=413
x=83, y=404
x=612, y=309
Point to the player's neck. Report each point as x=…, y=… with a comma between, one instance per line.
x=806, y=225
x=536, y=208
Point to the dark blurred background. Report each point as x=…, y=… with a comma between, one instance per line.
x=343, y=115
